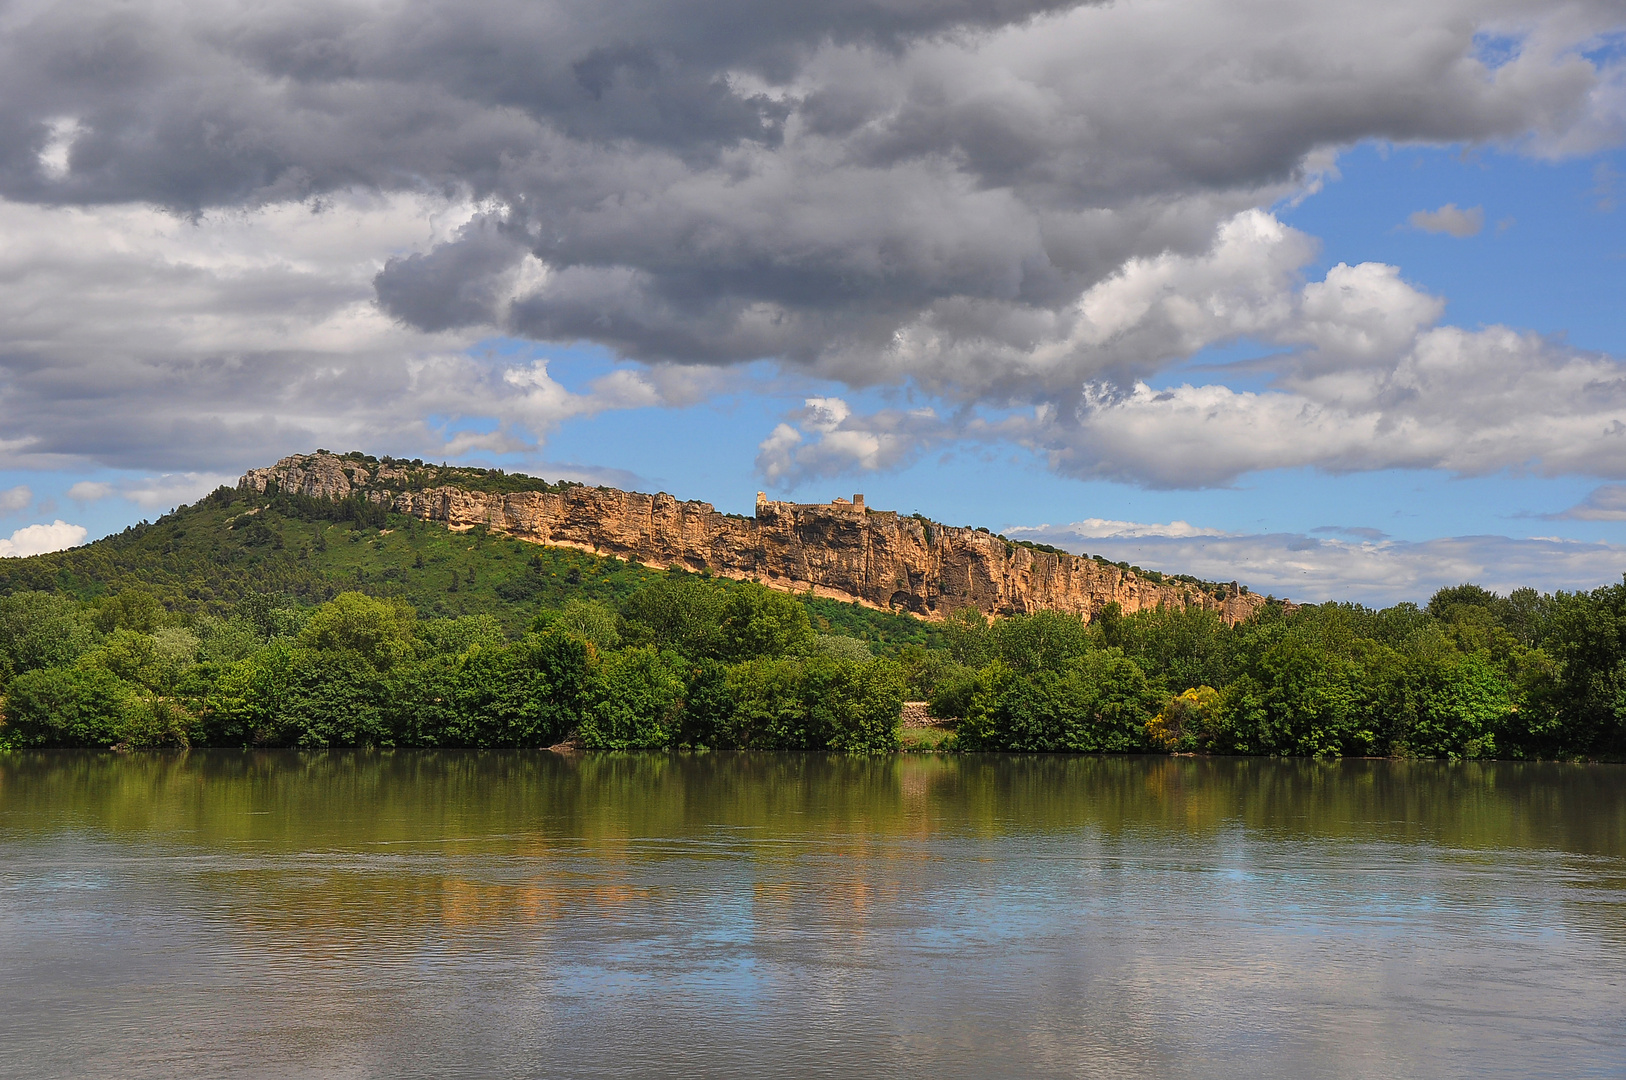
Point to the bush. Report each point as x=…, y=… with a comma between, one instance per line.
x=41, y=630
x=634, y=701
x=67, y=706
x=1186, y=721
x=1100, y=702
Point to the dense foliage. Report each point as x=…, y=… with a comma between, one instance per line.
x=280, y=620
x=686, y=662
x=1472, y=675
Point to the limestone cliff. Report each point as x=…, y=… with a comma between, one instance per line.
x=840, y=549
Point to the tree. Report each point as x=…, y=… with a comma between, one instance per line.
x=589, y=620
x=755, y=621
x=40, y=630
x=131, y=609
x=381, y=631
x=66, y=706
x=1044, y=640
x=635, y=701
x=1100, y=702
x=677, y=612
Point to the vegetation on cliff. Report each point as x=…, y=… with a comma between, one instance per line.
x=287, y=620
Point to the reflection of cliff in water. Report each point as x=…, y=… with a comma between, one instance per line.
x=840, y=549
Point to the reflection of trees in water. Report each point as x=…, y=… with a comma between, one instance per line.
x=523, y=801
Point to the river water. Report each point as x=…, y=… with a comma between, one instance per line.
x=527, y=914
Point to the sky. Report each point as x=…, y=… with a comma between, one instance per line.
x=1326, y=299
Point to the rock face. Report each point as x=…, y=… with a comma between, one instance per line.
x=840, y=550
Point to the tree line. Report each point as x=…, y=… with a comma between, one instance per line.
x=689, y=661
x=684, y=661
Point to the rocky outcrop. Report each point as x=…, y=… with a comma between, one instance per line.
x=841, y=550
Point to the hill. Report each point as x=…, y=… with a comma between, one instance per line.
x=841, y=550
x=350, y=601
x=207, y=557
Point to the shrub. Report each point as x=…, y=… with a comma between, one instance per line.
x=1186, y=721
x=635, y=701
x=1100, y=702
x=67, y=706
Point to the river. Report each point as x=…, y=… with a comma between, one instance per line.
x=384, y=914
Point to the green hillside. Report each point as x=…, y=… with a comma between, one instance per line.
x=280, y=620
x=205, y=558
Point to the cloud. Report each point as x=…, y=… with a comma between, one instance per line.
x=246, y=229
x=1105, y=528
x=1604, y=503
x=14, y=499
x=843, y=443
x=89, y=491
x=39, y=539
x=1363, y=380
x=236, y=337
x=1449, y=219
x=173, y=489
x=1371, y=570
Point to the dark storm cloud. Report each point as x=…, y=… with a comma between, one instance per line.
x=197, y=105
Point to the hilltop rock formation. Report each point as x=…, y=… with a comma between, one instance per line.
x=841, y=549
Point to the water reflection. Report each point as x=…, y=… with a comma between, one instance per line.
x=527, y=914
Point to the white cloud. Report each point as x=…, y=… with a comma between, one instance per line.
x=1371, y=570
x=1106, y=528
x=53, y=156
x=172, y=489
x=39, y=539
x=89, y=491
x=1606, y=502
x=14, y=499
x=238, y=336
x=1365, y=380
x=843, y=442
x=1448, y=219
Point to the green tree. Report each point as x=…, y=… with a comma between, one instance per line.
x=459, y=635
x=1099, y=702
x=590, y=620
x=1044, y=640
x=40, y=630
x=1178, y=647
x=635, y=701
x=131, y=609
x=755, y=621
x=676, y=612
x=67, y=706
x=380, y=631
